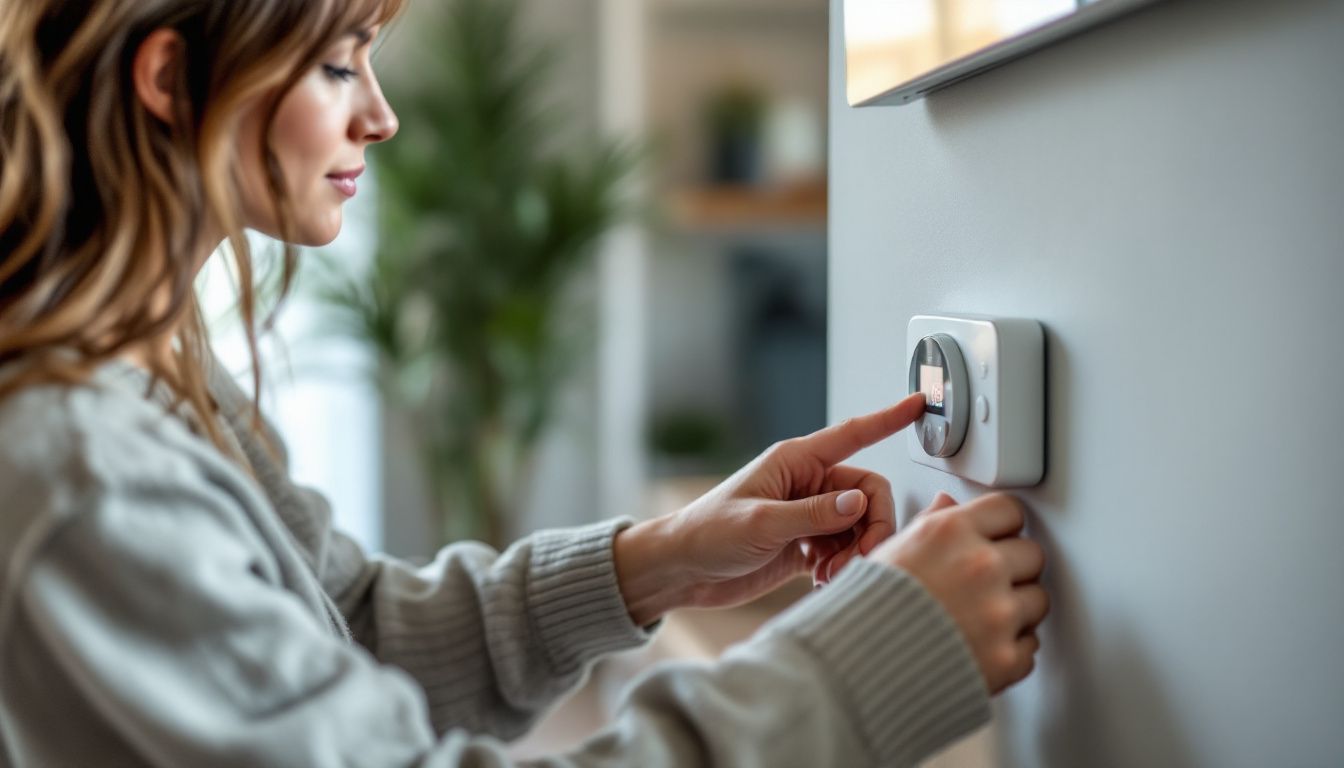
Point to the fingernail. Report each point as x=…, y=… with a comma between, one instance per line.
x=849, y=503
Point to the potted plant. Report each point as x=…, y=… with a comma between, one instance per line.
x=481, y=233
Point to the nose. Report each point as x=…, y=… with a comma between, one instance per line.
x=377, y=122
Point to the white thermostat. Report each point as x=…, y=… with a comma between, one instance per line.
x=983, y=380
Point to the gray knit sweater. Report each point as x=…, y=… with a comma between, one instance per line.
x=159, y=606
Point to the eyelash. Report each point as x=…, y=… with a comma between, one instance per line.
x=340, y=73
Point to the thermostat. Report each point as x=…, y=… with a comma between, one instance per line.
x=983, y=380
x=937, y=370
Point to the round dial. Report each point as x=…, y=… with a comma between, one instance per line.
x=938, y=370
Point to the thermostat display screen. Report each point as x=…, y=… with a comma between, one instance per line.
x=931, y=384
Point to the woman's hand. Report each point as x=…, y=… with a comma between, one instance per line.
x=973, y=559
x=794, y=508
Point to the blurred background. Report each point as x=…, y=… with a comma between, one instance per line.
x=588, y=279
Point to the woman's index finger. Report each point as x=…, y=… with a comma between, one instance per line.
x=838, y=442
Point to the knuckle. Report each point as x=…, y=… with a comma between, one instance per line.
x=1027, y=656
x=924, y=530
x=758, y=513
x=1033, y=644
x=1007, y=503
x=1026, y=666
x=817, y=511
x=1001, y=617
x=943, y=528
x=1005, y=658
x=1015, y=506
x=1037, y=554
x=984, y=564
x=920, y=530
x=1040, y=600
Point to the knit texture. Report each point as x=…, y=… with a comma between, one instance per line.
x=910, y=689
x=159, y=606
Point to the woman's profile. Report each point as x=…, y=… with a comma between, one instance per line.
x=168, y=595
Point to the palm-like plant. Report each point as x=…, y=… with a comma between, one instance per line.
x=481, y=232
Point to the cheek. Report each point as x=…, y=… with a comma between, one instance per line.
x=309, y=140
x=309, y=134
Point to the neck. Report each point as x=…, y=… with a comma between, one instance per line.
x=142, y=354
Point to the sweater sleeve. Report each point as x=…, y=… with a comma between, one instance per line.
x=157, y=610
x=492, y=638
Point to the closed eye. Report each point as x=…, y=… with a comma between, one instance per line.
x=340, y=73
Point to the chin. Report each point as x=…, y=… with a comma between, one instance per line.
x=310, y=233
x=320, y=240
x=320, y=234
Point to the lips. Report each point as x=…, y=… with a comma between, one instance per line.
x=344, y=181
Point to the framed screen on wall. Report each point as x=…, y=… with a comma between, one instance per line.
x=897, y=51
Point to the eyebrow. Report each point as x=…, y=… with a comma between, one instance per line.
x=362, y=35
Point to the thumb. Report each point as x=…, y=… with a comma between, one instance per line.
x=818, y=515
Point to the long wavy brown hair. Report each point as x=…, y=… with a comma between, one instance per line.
x=103, y=206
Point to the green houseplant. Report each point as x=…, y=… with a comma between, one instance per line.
x=481, y=233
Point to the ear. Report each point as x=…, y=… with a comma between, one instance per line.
x=155, y=69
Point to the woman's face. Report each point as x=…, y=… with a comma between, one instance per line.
x=319, y=136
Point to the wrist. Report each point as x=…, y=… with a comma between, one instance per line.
x=651, y=569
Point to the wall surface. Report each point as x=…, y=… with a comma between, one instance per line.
x=1166, y=195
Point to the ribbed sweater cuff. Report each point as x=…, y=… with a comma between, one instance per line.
x=895, y=657
x=574, y=597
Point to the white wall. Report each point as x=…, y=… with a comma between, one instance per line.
x=1166, y=195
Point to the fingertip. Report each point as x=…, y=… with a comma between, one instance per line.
x=942, y=499
x=911, y=408
x=875, y=535
x=838, y=563
x=850, y=503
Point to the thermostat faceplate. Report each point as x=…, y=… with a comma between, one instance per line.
x=1002, y=362
x=937, y=370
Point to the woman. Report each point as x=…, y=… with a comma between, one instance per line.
x=169, y=597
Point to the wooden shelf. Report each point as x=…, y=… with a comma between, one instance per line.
x=726, y=209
